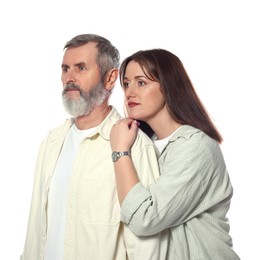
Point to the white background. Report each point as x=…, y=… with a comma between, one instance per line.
x=218, y=42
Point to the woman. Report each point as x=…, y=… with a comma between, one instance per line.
x=192, y=196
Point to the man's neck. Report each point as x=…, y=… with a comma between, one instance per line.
x=97, y=116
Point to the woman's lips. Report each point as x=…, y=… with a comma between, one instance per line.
x=132, y=104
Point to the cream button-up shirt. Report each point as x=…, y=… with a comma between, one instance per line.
x=93, y=230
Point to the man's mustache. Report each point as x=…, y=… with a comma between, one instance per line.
x=71, y=86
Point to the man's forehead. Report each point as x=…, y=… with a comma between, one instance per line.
x=83, y=54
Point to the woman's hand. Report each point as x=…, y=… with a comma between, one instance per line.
x=123, y=134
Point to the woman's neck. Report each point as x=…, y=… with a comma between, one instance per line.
x=163, y=126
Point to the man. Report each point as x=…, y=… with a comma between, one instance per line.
x=75, y=213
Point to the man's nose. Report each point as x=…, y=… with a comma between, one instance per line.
x=69, y=77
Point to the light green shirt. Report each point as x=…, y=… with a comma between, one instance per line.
x=93, y=230
x=191, y=197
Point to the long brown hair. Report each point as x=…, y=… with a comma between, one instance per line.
x=182, y=101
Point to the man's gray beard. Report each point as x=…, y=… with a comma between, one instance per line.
x=87, y=101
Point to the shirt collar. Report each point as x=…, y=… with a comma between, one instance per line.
x=104, y=128
x=186, y=131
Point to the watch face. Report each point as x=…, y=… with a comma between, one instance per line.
x=117, y=155
x=114, y=156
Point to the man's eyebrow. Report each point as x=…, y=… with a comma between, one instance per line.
x=64, y=66
x=80, y=64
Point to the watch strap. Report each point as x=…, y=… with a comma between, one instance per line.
x=116, y=155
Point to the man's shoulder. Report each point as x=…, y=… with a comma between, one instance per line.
x=60, y=130
x=66, y=124
x=143, y=139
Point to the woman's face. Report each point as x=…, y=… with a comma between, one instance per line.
x=143, y=97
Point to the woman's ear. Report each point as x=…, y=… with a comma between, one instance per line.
x=111, y=78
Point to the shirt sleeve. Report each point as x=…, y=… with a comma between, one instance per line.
x=193, y=179
x=152, y=247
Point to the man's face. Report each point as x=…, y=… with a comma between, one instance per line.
x=83, y=89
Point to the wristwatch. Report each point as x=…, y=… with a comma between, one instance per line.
x=117, y=155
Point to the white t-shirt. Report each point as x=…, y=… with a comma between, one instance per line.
x=160, y=144
x=58, y=192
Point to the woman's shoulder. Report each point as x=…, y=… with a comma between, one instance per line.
x=190, y=133
x=193, y=140
x=192, y=146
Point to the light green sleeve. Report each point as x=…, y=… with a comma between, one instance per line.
x=193, y=179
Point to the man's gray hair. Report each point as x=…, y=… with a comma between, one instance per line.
x=108, y=56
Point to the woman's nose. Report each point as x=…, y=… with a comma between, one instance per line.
x=130, y=92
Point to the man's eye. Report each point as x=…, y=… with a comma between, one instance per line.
x=64, y=69
x=82, y=67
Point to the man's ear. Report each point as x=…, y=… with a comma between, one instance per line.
x=111, y=78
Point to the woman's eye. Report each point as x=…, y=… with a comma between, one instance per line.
x=126, y=84
x=140, y=83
